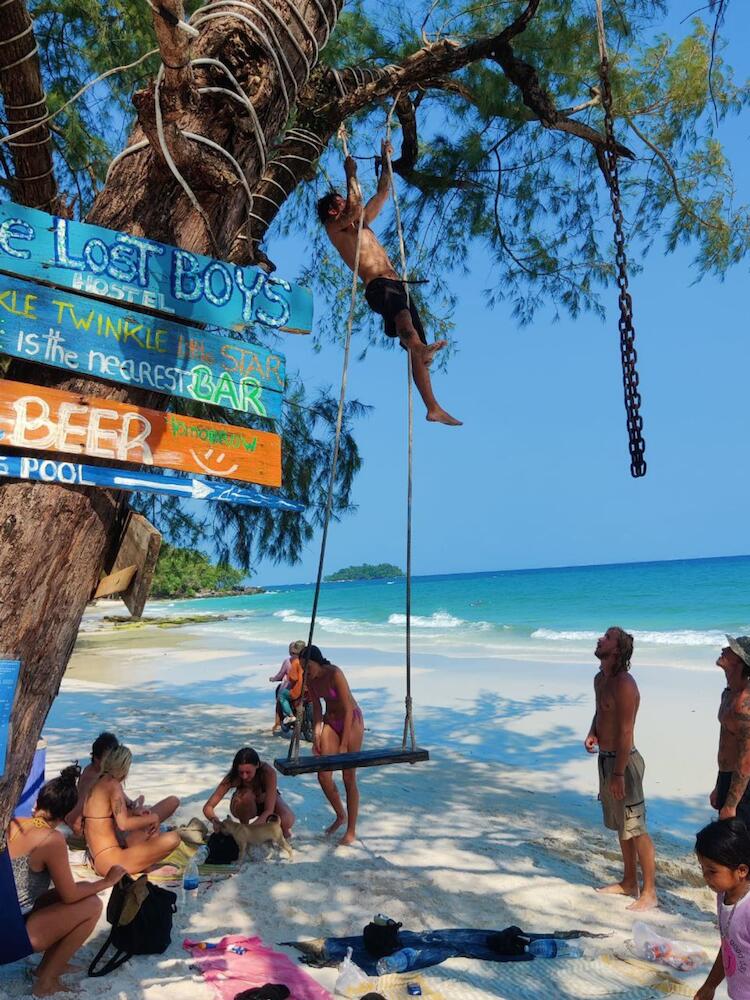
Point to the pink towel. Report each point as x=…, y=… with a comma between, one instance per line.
x=230, y=973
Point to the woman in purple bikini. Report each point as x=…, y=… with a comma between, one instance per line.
x=339, y=730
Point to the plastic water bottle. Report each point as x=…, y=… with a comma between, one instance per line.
x=552, y=948
x=190, y=882
x=399, y=961
x=200, y=855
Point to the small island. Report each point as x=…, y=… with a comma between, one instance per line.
x=383, y=571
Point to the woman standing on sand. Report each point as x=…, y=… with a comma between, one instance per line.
x=256, y=795
x=340, y=729
x=108, y=824
x=57, y=921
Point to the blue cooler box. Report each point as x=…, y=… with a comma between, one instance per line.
x=34, y=781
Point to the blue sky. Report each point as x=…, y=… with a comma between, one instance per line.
x=539, y=473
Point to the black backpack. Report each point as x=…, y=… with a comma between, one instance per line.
x=141, y=918
x=381, y=939
x=222, y=849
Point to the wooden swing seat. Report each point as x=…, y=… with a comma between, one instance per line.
x=344, y=761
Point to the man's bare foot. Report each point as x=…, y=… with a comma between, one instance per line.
x=339, y=821
x=348, y=838
x=646, y=901
x=439, y=416
x=619, y=889
x=430, y=350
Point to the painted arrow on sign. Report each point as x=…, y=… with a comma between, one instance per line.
x=33, y=416
x=131, y=269
x=79, y=335
x=44, y=470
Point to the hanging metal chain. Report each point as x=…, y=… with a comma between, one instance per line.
x=628, y=353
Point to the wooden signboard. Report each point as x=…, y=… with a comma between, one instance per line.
x=9, y=670
x=131, y=269
x=45, y=470
x=68, y=331
x=116, y=583
x=45, y=419
x=140, y=548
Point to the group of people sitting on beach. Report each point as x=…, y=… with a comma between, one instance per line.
x=125, y=836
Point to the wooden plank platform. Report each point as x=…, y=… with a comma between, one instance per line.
x=343, y=761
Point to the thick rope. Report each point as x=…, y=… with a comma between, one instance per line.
x=409, y=717
x=294, y=744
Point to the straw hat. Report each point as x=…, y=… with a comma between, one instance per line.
x=741, y=646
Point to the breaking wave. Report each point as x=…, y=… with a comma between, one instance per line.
x=677, y=637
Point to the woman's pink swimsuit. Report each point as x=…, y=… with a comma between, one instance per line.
x=337, y=725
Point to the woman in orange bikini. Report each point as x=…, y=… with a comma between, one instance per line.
x=116, y=835
x=340, y=729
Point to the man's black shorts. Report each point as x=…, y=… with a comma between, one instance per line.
x=387, y=296
x=723, y=782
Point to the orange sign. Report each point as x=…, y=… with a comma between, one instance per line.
x=32, y=416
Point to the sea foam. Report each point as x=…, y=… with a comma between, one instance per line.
x=676, y=637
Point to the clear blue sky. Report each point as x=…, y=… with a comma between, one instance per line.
x=539, y=474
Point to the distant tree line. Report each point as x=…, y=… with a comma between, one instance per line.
x=188, y=572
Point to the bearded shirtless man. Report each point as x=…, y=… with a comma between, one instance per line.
x=731, y=795
x=621, y=767
x=385, y=292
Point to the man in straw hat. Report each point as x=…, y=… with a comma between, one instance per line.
x=731, y=795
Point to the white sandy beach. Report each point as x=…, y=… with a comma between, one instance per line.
x=501, y=827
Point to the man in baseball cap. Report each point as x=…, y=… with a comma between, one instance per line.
x=731, y=796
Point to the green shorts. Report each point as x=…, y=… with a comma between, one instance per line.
x=628, y=815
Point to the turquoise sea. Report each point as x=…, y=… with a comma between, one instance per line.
x=677, y=610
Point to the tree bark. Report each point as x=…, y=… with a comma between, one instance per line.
x=33, y=181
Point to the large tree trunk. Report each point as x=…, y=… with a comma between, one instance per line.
x=54, y=539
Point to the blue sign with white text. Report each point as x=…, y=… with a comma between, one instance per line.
x=134, y=270
x=9, y=670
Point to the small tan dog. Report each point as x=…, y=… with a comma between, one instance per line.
x=247, y=834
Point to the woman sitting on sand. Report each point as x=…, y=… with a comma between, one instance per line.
x=340, y=730
x=58, y=921
x=116, y=835
x=256, y=795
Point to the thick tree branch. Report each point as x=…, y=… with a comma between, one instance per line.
x=25, y=102
x=332, y=96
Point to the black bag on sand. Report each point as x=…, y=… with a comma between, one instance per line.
x=271, y=991
x=141, y=918
x=381, y=939
x=511, y=941
x=222, y=849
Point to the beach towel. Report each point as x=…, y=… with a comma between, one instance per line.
x=558, y=979
x=230, y=973
x=393, y=987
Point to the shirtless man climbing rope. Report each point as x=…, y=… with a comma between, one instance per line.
x=385, y=292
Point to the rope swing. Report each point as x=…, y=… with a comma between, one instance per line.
x=293, y=763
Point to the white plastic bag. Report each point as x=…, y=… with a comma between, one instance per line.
x=350, y=976
x=651, y=945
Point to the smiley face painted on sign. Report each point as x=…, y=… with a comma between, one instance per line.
x=222, y=465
